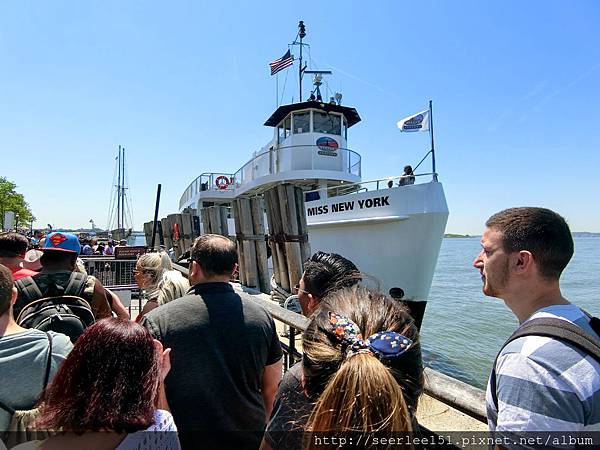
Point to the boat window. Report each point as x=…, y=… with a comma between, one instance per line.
x=301, y=122
x=285, y=128
x=287, y=125
x=345, y=130
x=327, y=123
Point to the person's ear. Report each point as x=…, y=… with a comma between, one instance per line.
x=195, y=270
x=313, y=302
x=523, y=261
x=14, y=296
x=158, y=346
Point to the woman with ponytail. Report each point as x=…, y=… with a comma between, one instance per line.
x=362, y=366
x=361, y=370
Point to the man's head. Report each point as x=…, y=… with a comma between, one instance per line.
x=8, y=293
x=323, y=274
x=531, y=243
x=60, y=251
x=213, y=257
x=12, y=249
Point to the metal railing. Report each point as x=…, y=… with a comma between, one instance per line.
x=363, y=186
x=116, y=275
x=109, y=271
x=278, y=160
x=298, y=157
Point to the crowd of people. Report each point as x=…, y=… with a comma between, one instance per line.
x=201, y=367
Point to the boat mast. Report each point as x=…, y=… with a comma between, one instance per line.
x=119, y=192
x=302, y=34
x=123, y=192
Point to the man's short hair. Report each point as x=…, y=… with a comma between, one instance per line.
x=13, y=245
x=216, y=254
x=540, y=231
x=6, y=287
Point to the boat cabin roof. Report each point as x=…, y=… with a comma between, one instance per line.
x=281, y=113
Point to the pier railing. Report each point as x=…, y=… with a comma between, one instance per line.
x=450, y=391
x=118, y=275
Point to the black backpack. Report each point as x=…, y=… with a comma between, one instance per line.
x=63, y=311
x=556, y=328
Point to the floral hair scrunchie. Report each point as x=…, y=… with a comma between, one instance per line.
x=383, y=345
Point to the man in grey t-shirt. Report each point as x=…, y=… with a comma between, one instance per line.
x=226, y=356
x=24, y=355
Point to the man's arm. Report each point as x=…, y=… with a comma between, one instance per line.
x=100, y=303
x=270, y=383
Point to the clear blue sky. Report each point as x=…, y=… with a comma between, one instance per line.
x=185, y=87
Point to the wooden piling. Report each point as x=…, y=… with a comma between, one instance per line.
x=287, y=207
x=302, y=225
x=240, y=247
x=166, y=232
x=224, y=211
x=276, y=233
x=205, y=221
x=258, y=223
x=249, y=247
x=187, y=230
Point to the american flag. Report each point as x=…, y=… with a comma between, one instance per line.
x=281, y=63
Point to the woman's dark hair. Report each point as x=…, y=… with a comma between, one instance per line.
x=327, y=272
x=361, y=393
x=109, y=381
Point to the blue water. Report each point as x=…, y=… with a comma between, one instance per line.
x=463, y=329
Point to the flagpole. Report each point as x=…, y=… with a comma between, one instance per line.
x=277, y=91
x=432, y=146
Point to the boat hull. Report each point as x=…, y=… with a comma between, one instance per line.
x=392, y=235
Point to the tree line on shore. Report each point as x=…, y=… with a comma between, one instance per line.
x=11, y=200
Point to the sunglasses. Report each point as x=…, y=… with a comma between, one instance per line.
x=296, y=290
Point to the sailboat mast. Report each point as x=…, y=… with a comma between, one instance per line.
x=123, y=192
x=119, y=192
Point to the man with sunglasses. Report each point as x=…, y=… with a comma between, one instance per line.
x=324, y=273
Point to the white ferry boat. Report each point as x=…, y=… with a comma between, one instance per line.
x=392, y=233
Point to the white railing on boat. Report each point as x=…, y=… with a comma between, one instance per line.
x=299, y=157
x=277, y=161
x=365, y=186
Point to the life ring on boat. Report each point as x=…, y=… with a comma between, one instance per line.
x=222, y=182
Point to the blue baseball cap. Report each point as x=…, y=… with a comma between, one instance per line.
x=62, y=242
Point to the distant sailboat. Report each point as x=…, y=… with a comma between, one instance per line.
x=120, y=220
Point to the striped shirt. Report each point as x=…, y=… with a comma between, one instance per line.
x=544, y=384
